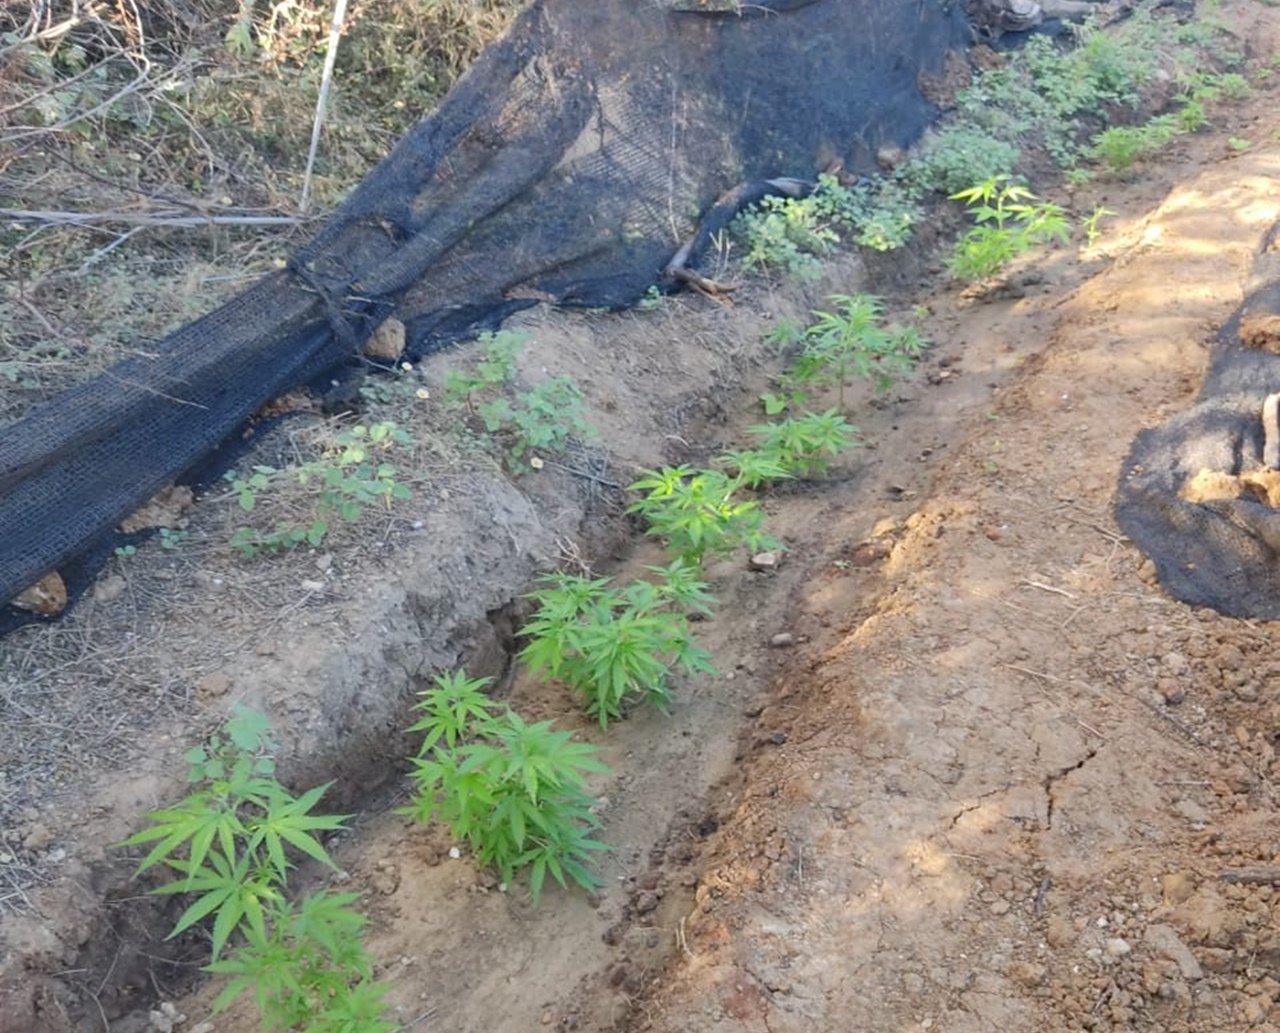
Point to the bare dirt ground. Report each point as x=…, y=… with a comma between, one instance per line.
x=997, y=780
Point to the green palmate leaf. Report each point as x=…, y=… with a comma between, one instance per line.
x=455, y=708
x=196, y=821
x=230, y=892
x=290, y=823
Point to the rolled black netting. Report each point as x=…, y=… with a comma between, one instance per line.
x=568, y=165
x=1200, y=494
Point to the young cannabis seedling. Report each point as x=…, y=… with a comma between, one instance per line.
x=697, y=513
x=804, y=446
x=230, y=844
x=611, y=645
x=854, y=342
x=1091, y=223
x=1010, y=221
x=515, y=792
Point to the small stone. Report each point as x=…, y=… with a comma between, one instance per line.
x=454, y=852
x=204, y=1027
x=1000, y=907
x=782, y=640
x=1147, y=572
x=109, y=589
x=212, y=685
x=1164, y=941
x=312, y=586
x=1117, y=947
x=160, y=1022
x=1171, y=691
x=869, y=552
x=765, y=560
x=47, y=596
x=890, y=156
x=547, y=1017
x=387, y=342
x=38, y=838
x=1177, y=887
x=324, y=562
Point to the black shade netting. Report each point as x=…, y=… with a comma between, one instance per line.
x=1197, y=494
x=568, y=165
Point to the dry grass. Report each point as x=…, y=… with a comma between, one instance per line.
x=165, y=142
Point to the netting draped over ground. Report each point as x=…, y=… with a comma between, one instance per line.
x=568, y=165
x=1198, y=494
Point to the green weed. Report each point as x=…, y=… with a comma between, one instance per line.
x=541, y=419
x=611, y=645
x=958, y=157
x=515, y=792
x=352, y=475
x=496, y=368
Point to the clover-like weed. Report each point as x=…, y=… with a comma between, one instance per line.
x=351, y=475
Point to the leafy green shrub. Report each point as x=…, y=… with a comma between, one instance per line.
x=697, y=513
x=230, y=843
x=1010, y=221
x=790, y=233
x=881, y=214
x=543, y=418
x=515, y=792
x=611, y=645
x=351, y=476
x=1120, y=146
x=957, y=158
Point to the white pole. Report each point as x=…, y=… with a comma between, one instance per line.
x=326, y=80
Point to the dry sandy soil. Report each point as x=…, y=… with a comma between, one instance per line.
x=997, y=780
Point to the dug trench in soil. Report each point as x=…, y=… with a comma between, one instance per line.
x=1026, y=790
x=332, y=647
x=470, y=957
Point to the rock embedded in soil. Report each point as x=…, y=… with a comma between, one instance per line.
x=212, y=685
x=38, y=838
x=782, y=640
x=765, y=560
